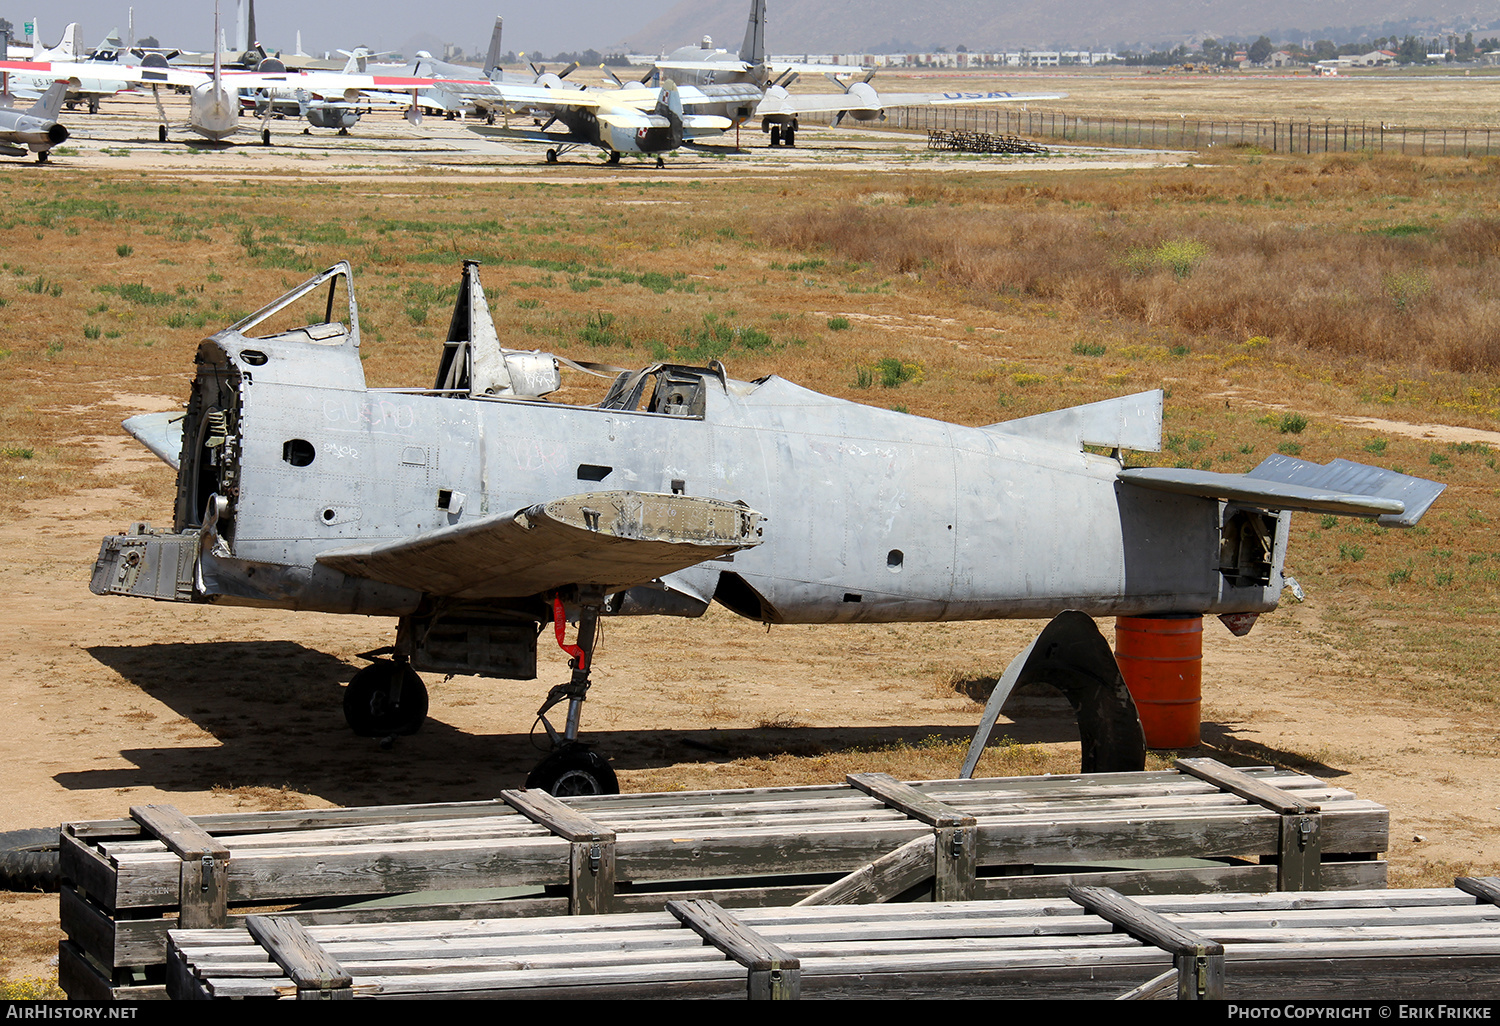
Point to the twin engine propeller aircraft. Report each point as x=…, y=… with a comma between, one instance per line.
x=478, y=513
x=35, y=129
x=638, y=120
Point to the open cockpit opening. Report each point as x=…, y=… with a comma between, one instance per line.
x=320, y=311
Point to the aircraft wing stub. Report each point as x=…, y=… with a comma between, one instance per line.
x=613, y=540
x=159, y=432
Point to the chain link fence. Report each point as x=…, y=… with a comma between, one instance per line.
x=1196, y=134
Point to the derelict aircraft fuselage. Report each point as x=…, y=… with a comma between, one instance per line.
x=475, y=510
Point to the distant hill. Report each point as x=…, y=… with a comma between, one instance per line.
x=897, y=26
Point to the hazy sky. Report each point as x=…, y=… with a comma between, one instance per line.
x=330, y=24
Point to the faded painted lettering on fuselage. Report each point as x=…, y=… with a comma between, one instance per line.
x=975, y=96
x=378, y=414
x=534, y=454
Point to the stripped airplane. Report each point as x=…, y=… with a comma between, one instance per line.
x=476, y=512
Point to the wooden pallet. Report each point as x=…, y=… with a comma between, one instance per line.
x=1097, y=943
x=872, y=839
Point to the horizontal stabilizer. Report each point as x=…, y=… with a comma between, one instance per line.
x=1129, y=422
x=705, y=123
x=630, y=119
x=1415, y=493
x=1342, y=487
x=159, y=432
x=612, y=540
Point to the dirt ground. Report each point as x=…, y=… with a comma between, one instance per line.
x=111, y=702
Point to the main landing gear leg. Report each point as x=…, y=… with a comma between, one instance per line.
x=573, y=768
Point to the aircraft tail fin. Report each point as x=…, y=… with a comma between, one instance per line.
x=69, y=45
x=218, y=50
x=492, y=59
x=669, y=103
x=753, y=49
x=1129, y=422
x=245, y=38
x=472, y=358
x=50, y=105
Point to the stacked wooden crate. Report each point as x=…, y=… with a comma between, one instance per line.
x=1367, y=945
x=1202, y=826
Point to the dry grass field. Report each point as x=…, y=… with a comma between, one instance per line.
x=1322, y=307
x=1432, y=98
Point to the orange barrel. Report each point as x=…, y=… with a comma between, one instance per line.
x=1161, y=659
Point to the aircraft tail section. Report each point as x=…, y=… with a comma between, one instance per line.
x=753, y=49
x=70, y=46
x=218, y=52
x=492, y=59
x=244, y=32
x=669, y=103
x=50, y=105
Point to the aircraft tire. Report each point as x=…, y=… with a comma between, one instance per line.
x=775, y=135
x=571, y=771
x=552, y=156
x=161, y=133
x=265, y=137
x=368, y=708
x=789, y=137
x=29, y=860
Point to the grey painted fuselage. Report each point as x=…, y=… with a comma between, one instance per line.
x=870, y=515
x=469, y=508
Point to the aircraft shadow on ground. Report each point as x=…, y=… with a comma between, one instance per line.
x=274, y=711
